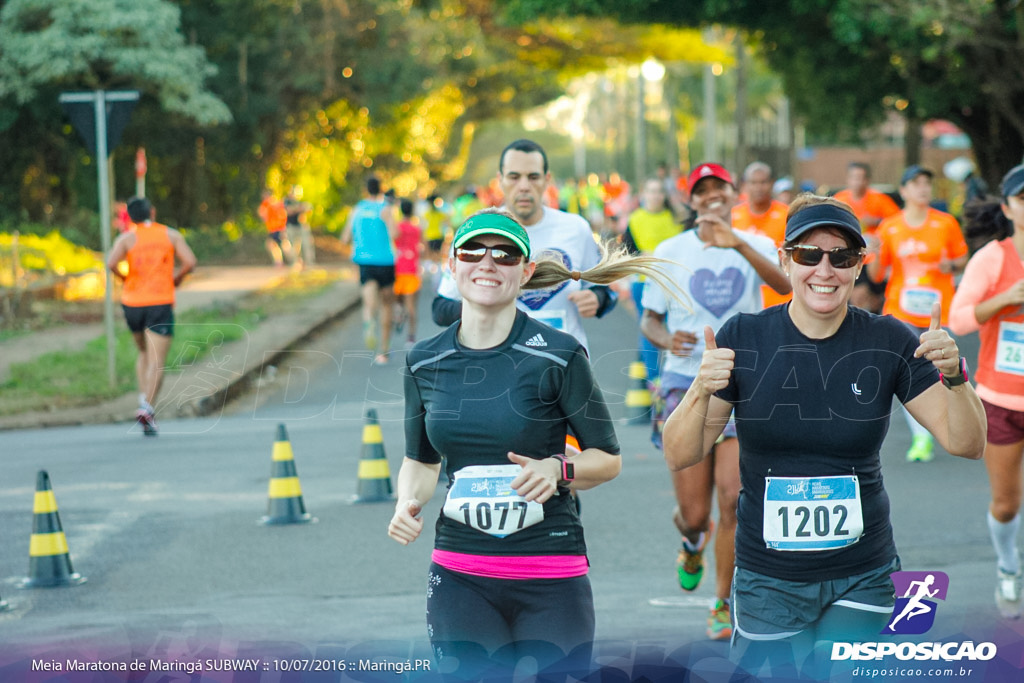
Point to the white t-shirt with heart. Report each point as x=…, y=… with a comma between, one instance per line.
x=720, y=282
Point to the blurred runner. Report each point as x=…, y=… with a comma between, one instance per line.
x=762, y=215
x=920, y=248
x=871, y=207
x=147, y=298
x=990, y=299
x=722, y=270
x=371, y=229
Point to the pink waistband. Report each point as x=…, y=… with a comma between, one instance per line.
x=513, y=566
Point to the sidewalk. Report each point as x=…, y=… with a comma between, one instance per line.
x=200, y=389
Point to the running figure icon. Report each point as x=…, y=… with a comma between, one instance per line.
x=914, y=607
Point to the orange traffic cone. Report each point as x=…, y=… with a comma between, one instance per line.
x=638, y=399
x=49, y=563
x=374, y=483
x=285, y=505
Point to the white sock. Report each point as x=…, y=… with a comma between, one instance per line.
x=694, y=547
x=1004, y=539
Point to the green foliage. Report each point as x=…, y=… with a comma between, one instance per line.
x=49, y=254
x=104, y=45
x=70, y=378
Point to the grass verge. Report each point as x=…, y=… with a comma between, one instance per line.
x=65, y=379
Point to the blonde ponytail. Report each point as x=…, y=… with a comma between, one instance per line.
x=615, y=264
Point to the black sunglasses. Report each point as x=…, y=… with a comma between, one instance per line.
x=501, y=254
x=840, y=257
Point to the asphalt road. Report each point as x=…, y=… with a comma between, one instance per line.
x=166, y=532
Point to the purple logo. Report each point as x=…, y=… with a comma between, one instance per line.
x=916, y=592
x=717, y=293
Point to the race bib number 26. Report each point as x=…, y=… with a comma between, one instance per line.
x=812, y=513
x=482, y=497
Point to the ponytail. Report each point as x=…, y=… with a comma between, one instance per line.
x=984, y=222
x=615, y=264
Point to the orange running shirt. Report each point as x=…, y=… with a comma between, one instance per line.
x=150, y=279
x=273, y=213
x=912, y=256
x=873, y=204
x=771, y=224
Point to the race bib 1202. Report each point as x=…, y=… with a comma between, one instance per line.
x=812, y=513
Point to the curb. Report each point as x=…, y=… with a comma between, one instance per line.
x=229, y=371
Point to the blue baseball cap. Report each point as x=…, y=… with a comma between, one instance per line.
x=913, y=172
x=1013, y=181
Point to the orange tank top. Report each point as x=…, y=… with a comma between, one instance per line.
x=150, y=280
x=1001, y=358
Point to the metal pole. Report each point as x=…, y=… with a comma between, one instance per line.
x=100, y=103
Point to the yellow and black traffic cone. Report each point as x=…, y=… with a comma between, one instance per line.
x=638, y=397
x=374, y=483
x=285, y=505
x=49, y=563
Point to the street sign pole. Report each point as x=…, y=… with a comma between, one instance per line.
x=104, y=188
x=99, y=99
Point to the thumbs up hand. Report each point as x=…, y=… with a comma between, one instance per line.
x=715, y=365
x=937, y=346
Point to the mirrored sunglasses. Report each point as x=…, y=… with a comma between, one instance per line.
x=840, y=257
x=502, y=255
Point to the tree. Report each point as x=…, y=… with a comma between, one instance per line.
x=50, y=45
x=843, y=60
x=105, y=44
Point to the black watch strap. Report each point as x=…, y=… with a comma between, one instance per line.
x=956, y=380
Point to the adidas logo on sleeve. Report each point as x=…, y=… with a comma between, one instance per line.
x=536, y=340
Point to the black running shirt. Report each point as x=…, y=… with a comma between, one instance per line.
x=816, y=408
x=474, y=406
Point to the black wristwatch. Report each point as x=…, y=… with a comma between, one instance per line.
x=568, y=469
x=956, y=380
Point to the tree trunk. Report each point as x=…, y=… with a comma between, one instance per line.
x=998, y=146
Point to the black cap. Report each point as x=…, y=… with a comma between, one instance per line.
x=914, y=171
x=1013, y=181
x=824, y=216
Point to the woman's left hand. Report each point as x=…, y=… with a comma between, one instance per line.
x=938, y=347
x=539, y=479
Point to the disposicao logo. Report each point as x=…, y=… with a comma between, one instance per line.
x=914, y=612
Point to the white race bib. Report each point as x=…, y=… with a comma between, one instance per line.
x=555, y=319
x=1010, y=348
x=812, y=513
x=481, y=496
x=919, y=300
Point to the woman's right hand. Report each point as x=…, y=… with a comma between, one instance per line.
x=715, y=365
x=406, y=525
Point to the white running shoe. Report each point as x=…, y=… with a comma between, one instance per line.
x=1008, y=594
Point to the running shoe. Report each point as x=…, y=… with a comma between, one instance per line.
x=147, y=421
x=720, y=621
x=380, y=359
x=921, y=449
x=1008, y=594
x=690, y=562
x=369, y=335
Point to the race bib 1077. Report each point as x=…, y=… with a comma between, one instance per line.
x=481, y=496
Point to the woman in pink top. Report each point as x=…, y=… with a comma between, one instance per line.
x=989, y=299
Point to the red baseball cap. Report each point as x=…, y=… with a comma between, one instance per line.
x=703, y=171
